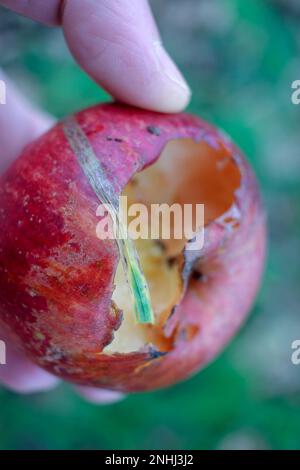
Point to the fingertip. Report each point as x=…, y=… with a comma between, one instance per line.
x=99, y=396
x=32, y=382
x=120, y=48
x=19, y=375
x=174, y=94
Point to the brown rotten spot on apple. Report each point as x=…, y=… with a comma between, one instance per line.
x=64, y=298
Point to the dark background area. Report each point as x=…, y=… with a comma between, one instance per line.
x=240, y=58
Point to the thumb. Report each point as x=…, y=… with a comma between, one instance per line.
x=118, y=44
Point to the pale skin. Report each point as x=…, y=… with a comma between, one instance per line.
x=109, y=39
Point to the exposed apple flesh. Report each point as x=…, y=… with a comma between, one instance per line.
x=186, y=172
x=63, y=295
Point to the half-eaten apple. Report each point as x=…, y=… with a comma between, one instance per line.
x=64, y=296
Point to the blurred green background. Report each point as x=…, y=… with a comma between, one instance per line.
x=240, y=57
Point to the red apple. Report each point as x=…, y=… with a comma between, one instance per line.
x=63, y=297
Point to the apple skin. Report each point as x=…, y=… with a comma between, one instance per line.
x=56, y=276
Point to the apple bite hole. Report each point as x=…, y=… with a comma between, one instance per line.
x=186, y=172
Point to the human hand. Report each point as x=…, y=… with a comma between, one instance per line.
x=117, y=43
